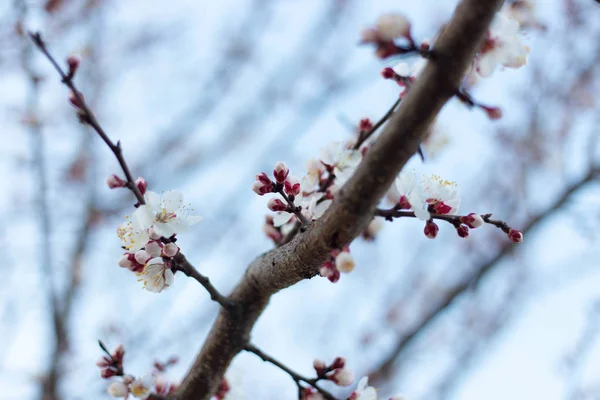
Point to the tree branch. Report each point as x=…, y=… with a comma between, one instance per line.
x=354, y=205
x=295, y=376
x=471, y=281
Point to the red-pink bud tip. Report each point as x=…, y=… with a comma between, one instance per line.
x=388, y=73
x=515, y=235
x=280, y=172
x=114, y=182
x=431, y=230
x=463, y=231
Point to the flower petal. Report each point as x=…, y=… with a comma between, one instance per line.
x=172, y=200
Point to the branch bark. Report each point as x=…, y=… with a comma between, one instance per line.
x=354, y=205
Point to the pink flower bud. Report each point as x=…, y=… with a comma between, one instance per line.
x=339, y=362
x=425, y=45
x=392, y=26
x=463, y=231
x=142, y=256
x=319, y=366
x=125, y=262
x=73, y=63
x=108, y=373
x=493, y=113
x=170, y=250
x=272, y=232
x=276, y=205
x=261, y=188
x=403, y=203
x=153, y=234
x=369, y=36
x=344, y=262
x=142, y=185
x=342, y=377
x=472, y=220
x=365, y=125
x=74, y=100
x=103, y=362
x=118, y=353
x=114, y=182
x=388, y=73
x=154, y=248
x=118, y=389
x=292, y=186
x=280, y=172
x=515, y=235
x=431, y=229
x=263, y=178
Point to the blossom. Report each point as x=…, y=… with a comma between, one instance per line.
x=502, y=46
x=344, y=262
x=132, y=233
x=156, y=275
x=166, y=213
x=114, y=182
x=472, y=220
x=441, y=195
x=363, y=391
x=431, y=229
x=281, y=171
x=141, y=387
x=118, y=389
x=343, y=160
x=411, y=194
x=342, y=377
x=392, y=26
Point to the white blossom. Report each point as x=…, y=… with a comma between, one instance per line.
x=343, y=160
x=364, y=391
x=165, y=213
x=132, y=233
x=118, y=389
x=392, y=26
x=502, y=46
x=344, y=262
x=312, y=209
x=156, y=276
x=141, y=387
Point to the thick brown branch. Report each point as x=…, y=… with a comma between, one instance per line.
x=354, y=205
x=469, y=282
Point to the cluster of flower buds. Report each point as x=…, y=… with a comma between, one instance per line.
x=387, y=29
x=149, y=236
x=335, y=372
x=338, y=261
x=111, y=365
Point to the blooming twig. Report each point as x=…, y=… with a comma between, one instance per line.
x=465, y=97
x=364, y=135
x=461, y=222
x=85, y=114
x=294, y=375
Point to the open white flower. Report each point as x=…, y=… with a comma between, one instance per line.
x=166, y=213
x=442, y=195
x=142, y=387
x=133, y=234
x=412, y=192
x=343, y=160
x=502, y=46
x=364, y=391
x=156, y=276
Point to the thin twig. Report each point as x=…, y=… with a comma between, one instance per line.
x=183, y=265
x=87, y=116
x=294, y=375
x=365, y=135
